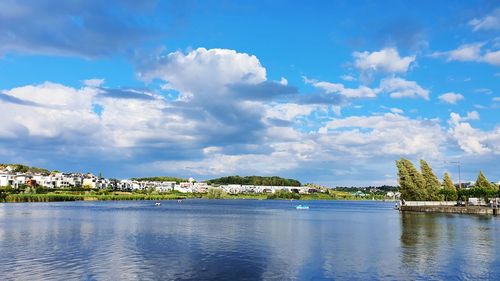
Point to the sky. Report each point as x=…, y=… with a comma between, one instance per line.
x=327, y=92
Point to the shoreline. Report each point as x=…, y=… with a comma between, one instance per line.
x=64, y=197
x=469, y=210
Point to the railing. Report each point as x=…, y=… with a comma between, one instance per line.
x=430, y=203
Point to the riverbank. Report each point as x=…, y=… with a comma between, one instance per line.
x=471, y=210
x=90, y=196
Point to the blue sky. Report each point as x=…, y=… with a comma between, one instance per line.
x=331, y=92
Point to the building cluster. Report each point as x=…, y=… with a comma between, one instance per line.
x=238, y=188
x=87, y=180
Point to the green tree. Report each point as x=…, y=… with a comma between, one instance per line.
x=3, y=195
x=215, y=193
x=406, y=187
x=411, y=181
x=431, y=183
x=482, y=181
x=283, y=194
x=484, y=188
x=449, y=190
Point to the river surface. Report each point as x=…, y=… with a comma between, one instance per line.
x=242, y=240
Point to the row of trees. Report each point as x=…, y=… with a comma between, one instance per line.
x=19, y=168
x=161, y=179
x=255, y=180
x=423, y=185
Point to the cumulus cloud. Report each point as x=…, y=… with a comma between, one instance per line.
x=400, y=88
x=455, y=118
x=396, y=87
x=451, y=97
x=203, y=71
x=474, y=52
x=386, y=61
x=338, y=88
x=369, y=136
x=225, y=122
x=488, y=22
x=472, y=140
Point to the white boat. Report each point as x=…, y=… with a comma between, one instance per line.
x=302, y=207
x=157, y=204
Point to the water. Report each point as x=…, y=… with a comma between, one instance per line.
x=242, y=240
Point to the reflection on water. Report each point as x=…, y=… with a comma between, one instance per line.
x=242, y=240
x=437, y=246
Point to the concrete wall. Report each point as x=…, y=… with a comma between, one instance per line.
x=430, y=203
x=476, y=210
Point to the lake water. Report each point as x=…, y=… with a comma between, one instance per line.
x=242, y=240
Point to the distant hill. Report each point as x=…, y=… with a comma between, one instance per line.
x=19, y=168
x=177, y=180
x=255, y=180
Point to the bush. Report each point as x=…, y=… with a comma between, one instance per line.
x=215, y=193
x=283, y=194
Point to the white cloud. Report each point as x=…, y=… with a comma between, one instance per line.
x=369, y=136
x=397, y=110
x=455, y=118
x=471, y=53
x=203, y=71
x=330, y=88
x=394, y=86
x=386, y=61
x=496, y=99
x=348, y=78
x=209, y=133
x=283, y=81
x=400, y=88
x=93, y=82
x=484, y=91
x=289, y=111
x=468, y=52
x=472, y=140
x=468, y=138
x=451, y=97
x=492, y=57
x=488, y=22
x=48, y=111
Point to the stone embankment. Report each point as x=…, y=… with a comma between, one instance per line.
x=447, y=207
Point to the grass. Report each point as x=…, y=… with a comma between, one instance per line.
x=93, y=196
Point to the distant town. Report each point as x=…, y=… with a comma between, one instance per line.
x=16, y=176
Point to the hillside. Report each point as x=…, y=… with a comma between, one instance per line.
x=255, y=180
x=162, y=178
x=19, y=168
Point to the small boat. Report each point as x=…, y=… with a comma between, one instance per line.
x=157, y=204
x=302, y=207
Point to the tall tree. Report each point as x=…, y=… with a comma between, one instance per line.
x=411, y=181
x=484, y=188
x=404, y=180
x=482, y=181
x=431, y=183
x=417, y=180
x=449, y=189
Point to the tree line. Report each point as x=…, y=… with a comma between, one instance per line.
x=255, y=180
x=161, y=179
x=423, y=185
x=19, y=168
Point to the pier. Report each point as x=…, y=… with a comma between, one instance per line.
x=446, y=207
